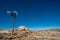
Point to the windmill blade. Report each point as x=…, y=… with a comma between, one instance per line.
x=15, y=12
x=8, y=12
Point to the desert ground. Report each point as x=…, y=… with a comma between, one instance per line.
x=26, y=34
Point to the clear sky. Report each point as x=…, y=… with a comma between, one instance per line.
x=34, y=14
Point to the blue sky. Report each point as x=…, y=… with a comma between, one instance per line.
x=34, y=14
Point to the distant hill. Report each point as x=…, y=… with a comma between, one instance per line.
x=55, y=29
x=2, y=29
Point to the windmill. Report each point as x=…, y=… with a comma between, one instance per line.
x=13, y=14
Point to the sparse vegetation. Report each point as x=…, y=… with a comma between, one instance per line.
x=31, y=35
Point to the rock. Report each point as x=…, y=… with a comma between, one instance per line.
x=22, y=28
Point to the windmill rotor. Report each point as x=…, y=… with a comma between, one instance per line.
x=13, y=13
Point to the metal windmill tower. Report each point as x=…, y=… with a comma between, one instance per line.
x=13, y=14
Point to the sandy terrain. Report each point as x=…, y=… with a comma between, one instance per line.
x=30, y=35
